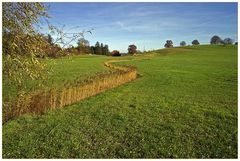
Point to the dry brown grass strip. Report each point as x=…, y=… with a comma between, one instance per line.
x=39, y=101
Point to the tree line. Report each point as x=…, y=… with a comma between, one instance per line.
x=214, y=40
x=82, y=47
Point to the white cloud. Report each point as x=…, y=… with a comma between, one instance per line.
x=123, y=26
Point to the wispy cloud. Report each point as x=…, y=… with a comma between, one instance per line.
x=119, y=24
x=123, y=26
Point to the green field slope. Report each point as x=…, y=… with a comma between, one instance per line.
x=61, y=71
x=183, y=105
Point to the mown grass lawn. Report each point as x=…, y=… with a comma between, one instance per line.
x=184, y=105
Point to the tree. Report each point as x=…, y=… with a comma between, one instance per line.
x=168, y=44
x=228, y=41
x=182, y=43
x=98, y=50
x=132, y=49
x=83, y=46
x=105, y=50
x=102, y=49
x=216, y=40
x=21, y=41
x=50, y=39
x=83, y=42
x=236, y=43
x=54, y=51
x=92, y=49
x=195, y=42
x=23, y=44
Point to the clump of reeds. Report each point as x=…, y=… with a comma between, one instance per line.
x=39, y=101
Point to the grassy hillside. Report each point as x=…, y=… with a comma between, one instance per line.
x=184, y=105
x=62, y=70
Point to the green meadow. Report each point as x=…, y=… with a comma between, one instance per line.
x=59, y=72
x=182, y=105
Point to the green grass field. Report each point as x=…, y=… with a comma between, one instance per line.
x=183, y=105
x=61, y=71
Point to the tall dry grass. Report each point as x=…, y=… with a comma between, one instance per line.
x=39, y=101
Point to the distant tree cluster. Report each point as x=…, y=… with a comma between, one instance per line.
x=83, y=47
x=217, y=40
x=100, y=49
x=214, y=40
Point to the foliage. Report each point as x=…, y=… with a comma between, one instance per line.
x=168, y=44
x=100, y=49
x=195, y=42
x=83, y=46
x=106, y=50
x=21, y=41
x=228, y=41
x=216, y=40
x=54, y=51
x=182, y=43
x=115, y=53
x=23, y=45
x=83, y=42
x=49, y=39
x=132, y=49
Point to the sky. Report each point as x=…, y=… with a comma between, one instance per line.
x=147, y=25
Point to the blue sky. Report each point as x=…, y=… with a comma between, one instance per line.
x=147, y=25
